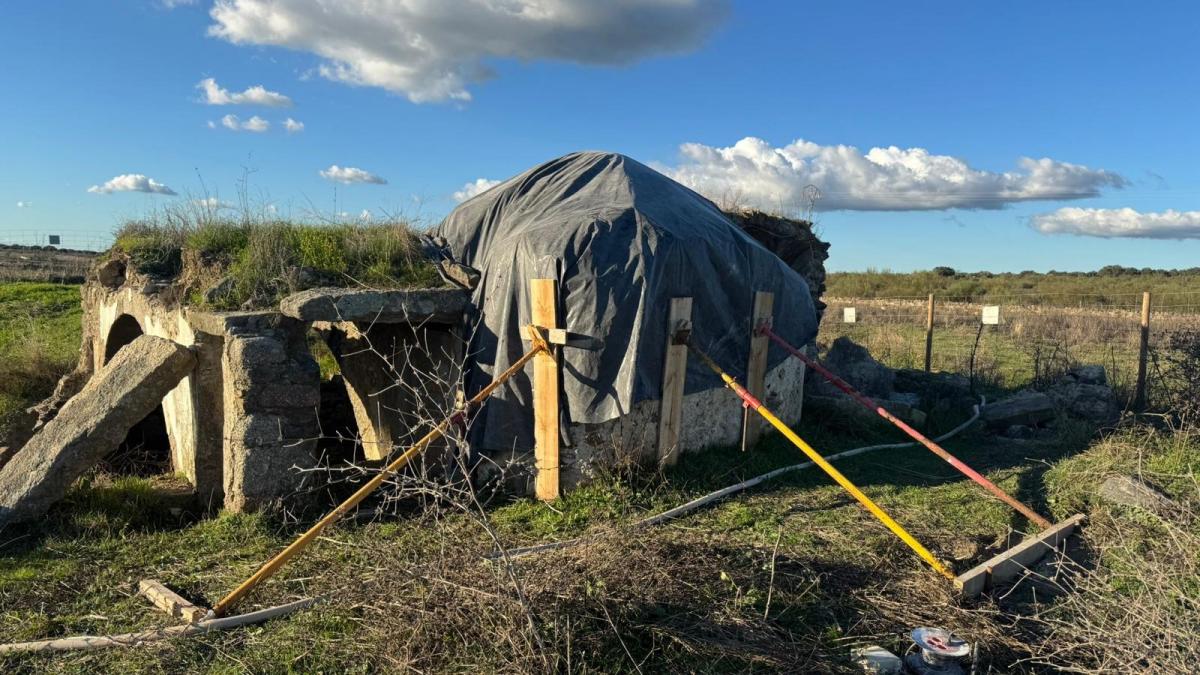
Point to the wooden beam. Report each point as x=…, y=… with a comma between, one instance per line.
x=756, y=366
x=1015, y=560
x=169, y=601
x=543, y=296
x=679, y=319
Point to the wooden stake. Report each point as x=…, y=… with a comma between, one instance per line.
x=1139, y=398
x=674, y=371
x=929, y=334
x=756, y=367
x=1016, y=560
x=543, y=296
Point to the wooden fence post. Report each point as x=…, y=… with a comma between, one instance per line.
x=929, y=334
x=756, y=367
x=1139, y=398
x=543, y=298
x=674, y=371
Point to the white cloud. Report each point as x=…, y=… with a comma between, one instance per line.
x=479, y=186
x=132, y=182
x=215, y=94
x=365, y=215
x=432, y=50
x=754, y=173
x=1108, y=223
x=24, y=204
x=172, y=4
x=350, y=174
x=255, y=124
x=293, y=126
x=211, y=203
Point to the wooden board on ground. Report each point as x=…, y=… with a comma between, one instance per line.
x=1015, y=560
x=169, y=601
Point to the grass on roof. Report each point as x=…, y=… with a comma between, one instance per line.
x=263, y=260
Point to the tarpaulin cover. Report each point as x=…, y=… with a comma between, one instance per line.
x=622, y=240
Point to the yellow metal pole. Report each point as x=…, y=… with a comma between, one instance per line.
x=817, y=459
x=302, y=542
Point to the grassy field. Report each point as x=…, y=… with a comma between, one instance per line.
x=1109, y=287
x=39, y=341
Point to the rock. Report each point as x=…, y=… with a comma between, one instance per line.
x=438, y=305
x=90, y=425
x=854, y=364
x=845, y=407
x=1083, y=392
x=1128, y=491
x=944, y=385
x=1029, y=408
x=460, y=274
x=909, y=399
x=1019, y=431
x=219, y=291
x=111, y=273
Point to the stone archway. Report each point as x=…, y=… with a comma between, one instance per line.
x=147, y=447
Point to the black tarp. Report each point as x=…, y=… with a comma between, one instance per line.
x=622, y=240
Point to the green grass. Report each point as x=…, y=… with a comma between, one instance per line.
x=39, y=342
x=264, y=260
x=55, y=579
x=1111, y=286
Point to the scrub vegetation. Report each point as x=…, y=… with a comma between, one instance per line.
x=228, y=263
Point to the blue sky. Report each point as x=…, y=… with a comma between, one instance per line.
x=1106, y=93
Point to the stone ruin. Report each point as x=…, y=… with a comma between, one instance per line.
x=251, y=413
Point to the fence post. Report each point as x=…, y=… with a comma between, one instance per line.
x=929, y=334
x=670, y=414
x=543, y=298
x=1139, y=398
x=756, y=367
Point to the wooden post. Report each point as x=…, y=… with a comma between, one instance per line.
x=543, y=298
x=1139, y=398
x=929, y=334
x=670, y=414
x=756, y=367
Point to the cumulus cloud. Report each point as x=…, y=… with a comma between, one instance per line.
x=479, y=186
x=293, y=126
x=24, y=204
x=255, y=124
x=432, y=51
x=754, y=173
x=215, y=94
x=1127, y=222
x=132, y=182
x=172, y=4
x=211, y=203
x=350, y=174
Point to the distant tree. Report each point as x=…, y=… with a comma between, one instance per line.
x=943, y=271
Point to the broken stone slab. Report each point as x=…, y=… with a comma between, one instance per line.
x=458, y=273
x=432, y=305
x=90, y=425
x=1129, y=491
x=846, y=407
x=1026, y=408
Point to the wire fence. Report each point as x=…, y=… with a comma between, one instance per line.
x=1021, y=340
x=78, y=240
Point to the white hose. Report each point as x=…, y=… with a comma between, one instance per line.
x=744, y=485
x=90, y=642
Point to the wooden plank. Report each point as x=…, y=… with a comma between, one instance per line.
x=1015, y=560
x=169, y=601
x=543, y=295
x=929, y=334
x=670, y=416
x=1139, y=395
x=756, y=367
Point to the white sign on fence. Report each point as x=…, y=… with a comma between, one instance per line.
x=991, y=315
x=849, y=315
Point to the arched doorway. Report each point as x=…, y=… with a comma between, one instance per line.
x=146, y=450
